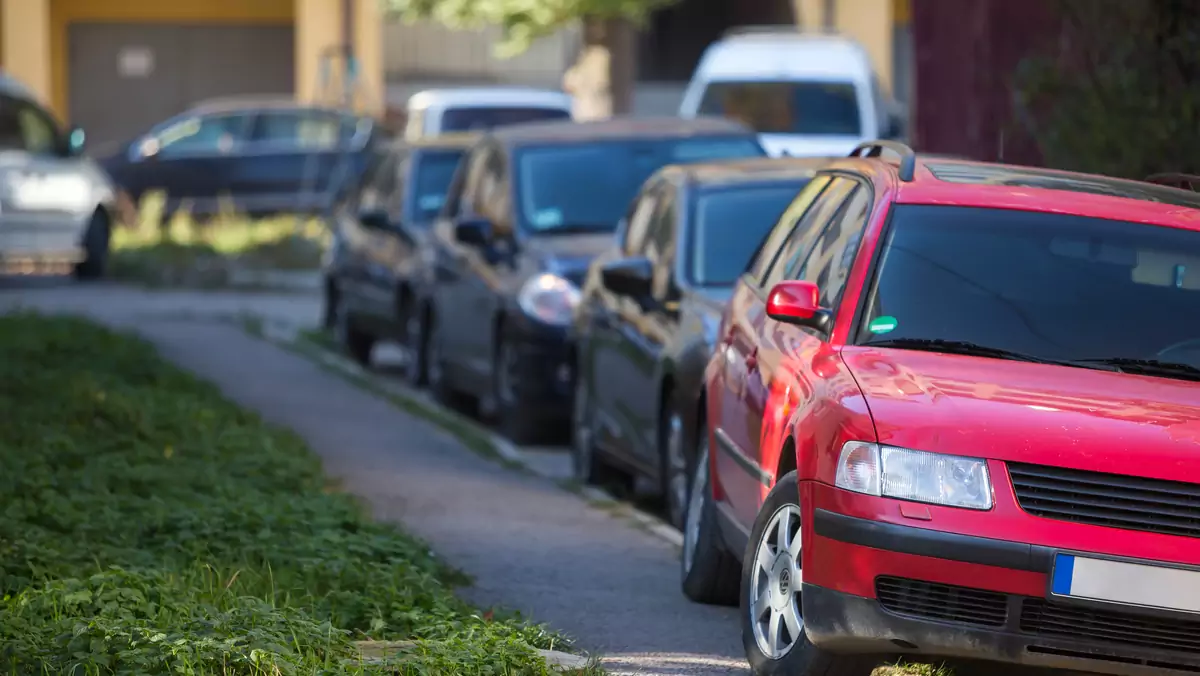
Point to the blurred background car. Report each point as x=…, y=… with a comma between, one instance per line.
x=808, y=94
x=371, y=272
x=645, y=327
x=56, y=212
x=267, y=155
x=530, y=207
x=439, y=111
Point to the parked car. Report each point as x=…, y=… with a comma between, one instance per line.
x=266, y=155
x=372, y=269
x=530, y=207
x=57, y=208
x=808, y=94
x=476, y=109
x=928, y=437
x=650, y=306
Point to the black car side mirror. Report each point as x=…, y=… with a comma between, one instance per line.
x=374, y=218
x=473, y=231
x=631, y=277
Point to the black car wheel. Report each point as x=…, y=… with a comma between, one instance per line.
x=95, y=248
x=329, y=302
x=350, y=338
x=675, y=465
x=709, y=572
x=517, y=420
x=772, y=612
x=416, y=341
x=588, y=465
x=440, y=385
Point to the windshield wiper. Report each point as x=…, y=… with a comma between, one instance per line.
x=964, y=347
x=1148, y=367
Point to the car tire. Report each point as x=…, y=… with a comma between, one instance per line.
x=771, y=610
x=709, y=571
x=355, y=342
x=517, y=421
x=675, y=465
x=588, y=466
x=440, y=386
x=95, y=248
x=416, y=340
x=329, y=301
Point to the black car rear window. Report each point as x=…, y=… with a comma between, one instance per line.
x=483, y=118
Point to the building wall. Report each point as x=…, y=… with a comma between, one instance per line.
x=34, y=45
x=427, y=51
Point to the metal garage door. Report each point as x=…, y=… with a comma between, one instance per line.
x=123, y=78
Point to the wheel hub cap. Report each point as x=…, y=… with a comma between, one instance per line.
x=691, y=529
x=775, y=585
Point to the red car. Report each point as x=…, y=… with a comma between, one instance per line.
x=954, y=411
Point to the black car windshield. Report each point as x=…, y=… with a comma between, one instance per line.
x=729, y=225
x=481, y=118
x=432, y=173
x=1047, y=286
x=787, y=107
x=589, y=185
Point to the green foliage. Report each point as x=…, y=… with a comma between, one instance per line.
x=522, y=21
x=1117, y=96
x=149, y=526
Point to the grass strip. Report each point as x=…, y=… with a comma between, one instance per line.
x=148, y=525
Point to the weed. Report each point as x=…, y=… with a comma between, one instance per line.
x=148, y=525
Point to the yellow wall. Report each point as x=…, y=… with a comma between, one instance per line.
x=870, y=22
x=319, y=32
x=33, y=36
x=24, y=34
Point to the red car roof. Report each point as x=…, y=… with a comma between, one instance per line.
x=998, y=186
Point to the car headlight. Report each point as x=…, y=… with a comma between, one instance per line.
x=68, y=193
x=920, y=476
x=549, y=298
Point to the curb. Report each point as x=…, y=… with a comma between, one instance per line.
x=288, y=337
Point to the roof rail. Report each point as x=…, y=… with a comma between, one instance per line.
x=908, y=157
x=1173, y=180
x=776, y=29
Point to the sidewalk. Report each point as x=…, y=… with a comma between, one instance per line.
x=530, y=545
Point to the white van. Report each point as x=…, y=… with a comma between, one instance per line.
x=806, y=94
x=438, y=111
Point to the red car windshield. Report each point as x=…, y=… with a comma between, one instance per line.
x=1049, y=286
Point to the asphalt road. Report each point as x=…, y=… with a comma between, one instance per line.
x=530, y=545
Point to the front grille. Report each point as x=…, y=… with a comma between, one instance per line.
x=1041, y=618
x=941, y=602
x=1113, y=500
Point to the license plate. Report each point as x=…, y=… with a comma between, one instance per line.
x=1126, y=583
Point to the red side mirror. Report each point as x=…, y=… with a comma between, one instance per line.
x=796, y=302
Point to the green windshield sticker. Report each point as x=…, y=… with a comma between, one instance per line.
x=882, y=325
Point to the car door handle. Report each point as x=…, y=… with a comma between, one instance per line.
x=752, y=360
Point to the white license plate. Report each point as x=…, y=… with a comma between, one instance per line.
x=1132, y=584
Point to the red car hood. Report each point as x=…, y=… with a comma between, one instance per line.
x=1035, y=413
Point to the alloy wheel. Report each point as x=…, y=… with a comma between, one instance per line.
x=775, y=585
x=695, y=509
x=676, y=469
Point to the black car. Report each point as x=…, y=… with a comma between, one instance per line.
x=651, y=305
x=529, y=209
x=371, y=269
x=267, y=156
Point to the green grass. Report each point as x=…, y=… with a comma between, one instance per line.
x=147, y=525
x=188, y=252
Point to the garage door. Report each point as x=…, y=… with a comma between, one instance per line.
x=123, y=78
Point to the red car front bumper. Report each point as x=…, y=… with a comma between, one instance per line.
x=882, y=576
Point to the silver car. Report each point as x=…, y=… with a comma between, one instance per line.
x=56, y=205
